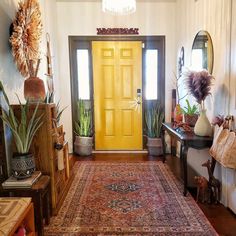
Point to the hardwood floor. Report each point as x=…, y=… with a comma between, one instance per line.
x=222, y=219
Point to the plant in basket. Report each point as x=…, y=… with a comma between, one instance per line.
x=23, y=131
x=190, y=113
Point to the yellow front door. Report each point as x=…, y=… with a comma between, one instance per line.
x=117, y=76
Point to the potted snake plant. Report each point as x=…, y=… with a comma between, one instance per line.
x=23, y=131
x=83, y=144
x=154, y=117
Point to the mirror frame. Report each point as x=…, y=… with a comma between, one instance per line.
x=210, y=61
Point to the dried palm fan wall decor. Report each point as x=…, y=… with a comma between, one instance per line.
x=25, y=39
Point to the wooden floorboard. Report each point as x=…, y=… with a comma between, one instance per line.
x=222, y=219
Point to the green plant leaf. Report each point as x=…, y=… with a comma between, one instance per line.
x=83, y=126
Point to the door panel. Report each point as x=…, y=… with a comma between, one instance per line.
x=117, y=73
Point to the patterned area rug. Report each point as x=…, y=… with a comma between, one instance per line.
x=128, y=198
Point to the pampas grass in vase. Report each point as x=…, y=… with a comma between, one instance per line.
x=199, y=85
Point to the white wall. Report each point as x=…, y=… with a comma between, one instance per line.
x=10, y=77
x=213, y=16
x=82, y=18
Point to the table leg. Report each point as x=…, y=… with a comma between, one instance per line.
x=163, y=145
x=47, y=208
x=39, y=214
x=185, y=169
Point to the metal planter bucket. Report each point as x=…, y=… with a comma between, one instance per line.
x=154, y=146
x=22, y=165
x=83, y=146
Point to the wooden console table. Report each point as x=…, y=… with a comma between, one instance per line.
x=186, y=140
x=40, y=194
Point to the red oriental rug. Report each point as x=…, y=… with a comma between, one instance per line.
x=128, y=198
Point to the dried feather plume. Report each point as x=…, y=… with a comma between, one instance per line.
x=199, y=85
x=25, y=39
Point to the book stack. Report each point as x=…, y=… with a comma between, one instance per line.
x=12, y=182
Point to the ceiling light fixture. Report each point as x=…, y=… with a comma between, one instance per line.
x=119, y=7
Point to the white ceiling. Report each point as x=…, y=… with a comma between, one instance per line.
x=101, y=0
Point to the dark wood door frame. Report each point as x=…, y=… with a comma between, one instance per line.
x=85, y=42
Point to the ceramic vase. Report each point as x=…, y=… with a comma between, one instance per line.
x=34, y=89
x=203, y=126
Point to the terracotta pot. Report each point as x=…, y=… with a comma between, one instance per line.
x=34, y=89
x=22, y=165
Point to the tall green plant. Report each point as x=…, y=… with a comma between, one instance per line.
x=23, y=130
x=154, y=117
x=83, y=127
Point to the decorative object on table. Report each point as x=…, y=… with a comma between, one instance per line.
x=223, y=148
x=154, y=116
x=173, y=104
x=190, y=114
x=23, y=131
x=13, y=182
x=25, y=39
x=214, y=184
x=182, y=127
x=202, y=189
x=178, y=116
x=199, y=86
x=83, y=144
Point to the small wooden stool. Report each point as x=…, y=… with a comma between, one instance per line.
x=40, y=194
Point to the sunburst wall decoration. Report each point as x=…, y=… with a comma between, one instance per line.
x=26, y=35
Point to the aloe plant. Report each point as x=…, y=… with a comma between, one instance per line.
x=83, y=127
x=154, y=117
x=59, y=111
x=23, y=130
x=190, y=110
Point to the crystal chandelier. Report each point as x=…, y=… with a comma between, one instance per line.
x=119, y=7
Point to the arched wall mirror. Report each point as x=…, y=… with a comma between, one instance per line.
x=202, y=52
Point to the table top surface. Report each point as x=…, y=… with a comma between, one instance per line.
x=185, y=136
x=39, y=185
